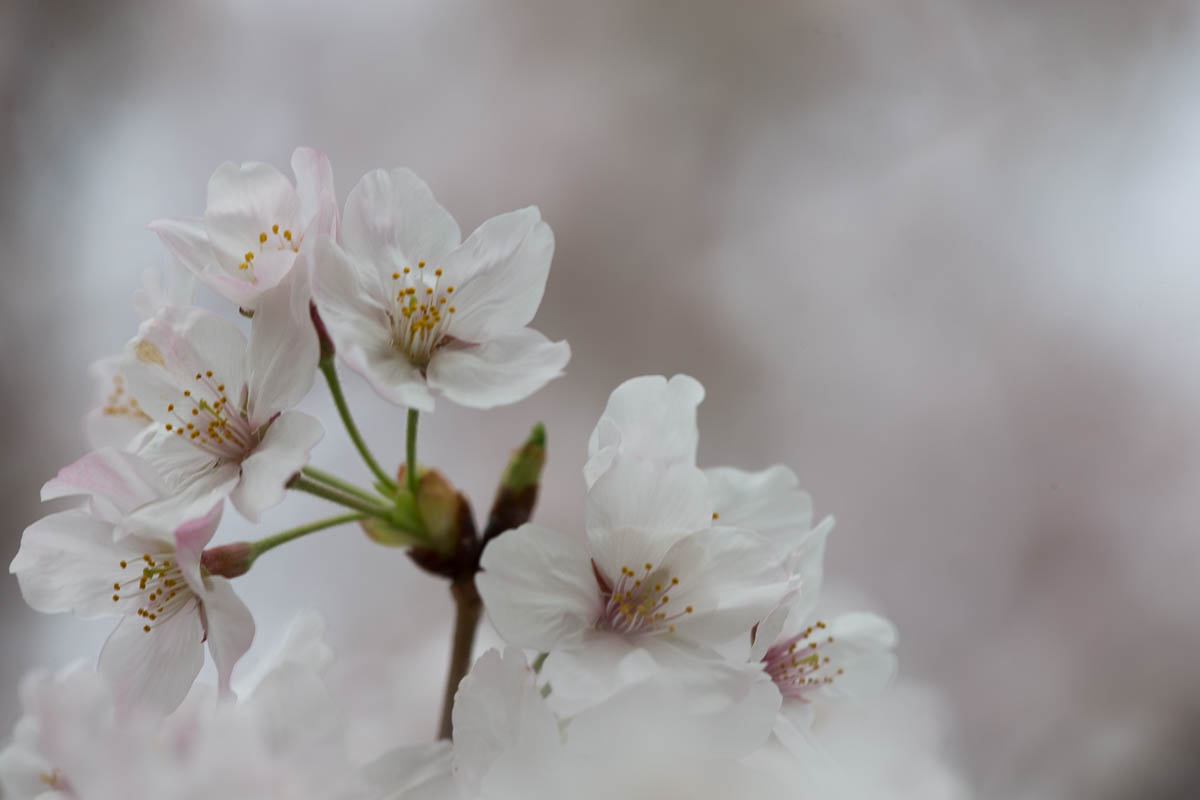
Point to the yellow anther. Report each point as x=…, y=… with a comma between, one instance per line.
x=438, y=272
x=287, y=235
x=395, y=276
x=262, y=237
x=249, y=256
x=449, y=290
x=146, y=628
x=420, y=265
x=274, y=229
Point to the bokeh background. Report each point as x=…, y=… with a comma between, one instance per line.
x=939, y=256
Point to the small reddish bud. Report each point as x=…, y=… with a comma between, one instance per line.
x=229, y=560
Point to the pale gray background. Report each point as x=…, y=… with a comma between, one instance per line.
x=940, y=256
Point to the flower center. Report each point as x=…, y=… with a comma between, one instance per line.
x=205, y=418
x=421, y=310
x=158, y=588
x=276, y=240
x=798, y=666
x=637, y=601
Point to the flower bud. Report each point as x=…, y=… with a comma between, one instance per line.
x=518, y=490
x=228, y=560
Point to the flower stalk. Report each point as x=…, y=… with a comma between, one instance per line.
x=468, y=608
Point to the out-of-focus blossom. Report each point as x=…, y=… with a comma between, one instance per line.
x=221, y=405
x=70, y=562
x=256, y=225
x=509, y=744
x=413, y=309
x=284, y=740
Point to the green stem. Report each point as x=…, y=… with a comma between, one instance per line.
x=410, y=450
x=345, y=486
x=334, y=496
x=263, y=545
x=335, y=389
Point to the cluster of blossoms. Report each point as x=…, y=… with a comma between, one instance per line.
x=666, y=648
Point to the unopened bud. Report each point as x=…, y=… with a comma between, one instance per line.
x=229, y=560
x=323, y=337
x=439, y=505
x=518, y=490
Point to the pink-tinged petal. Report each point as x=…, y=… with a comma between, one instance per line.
x=638, y=502
x=499, y=275
x=68, y=562
x=193, y=536
x=648, y=418
x=766, y=501
x=154, y=668
x=280, y=455
x=499, y=371
x=314, y=185
x=187, y=240
x=228, y=626
x=393, y=221
x=283, y=350
x=117, y=481
x=538, y=587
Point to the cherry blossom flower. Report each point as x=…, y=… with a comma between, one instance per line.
x=811, y=661
x=70, y=561
x=653, y=573
x=256, y=225
x=413, y=309
x=221, y=405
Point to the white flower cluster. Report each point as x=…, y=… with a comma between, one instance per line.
x=666, y=649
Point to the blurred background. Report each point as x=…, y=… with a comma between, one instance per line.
x=939, y=256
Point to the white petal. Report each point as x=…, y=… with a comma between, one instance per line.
x=393, y=221
x=154, y=668
x=314, y=185
x=499, y=275
x=650, y=418
x=767, y=632
x=502, y=370
x=188, y=502
x=69, y=562
x=244, y=201
x=637, y=510
x=280, y=455
x=538, y=587
x=283, y=350
x=497, y=709
x=862, y=647
x=187, y=240
x=228, y=627
x=766, y=501
x=422, y=772
x=730, y=578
